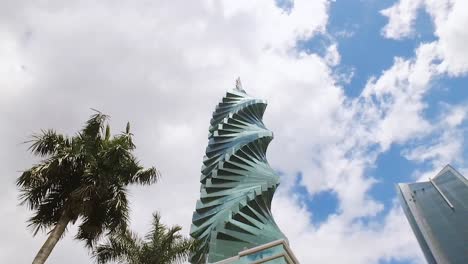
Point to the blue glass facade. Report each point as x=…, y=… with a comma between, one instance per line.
x=437, y=211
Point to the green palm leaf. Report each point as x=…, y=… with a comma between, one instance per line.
x=81, y=178
x=161, y=245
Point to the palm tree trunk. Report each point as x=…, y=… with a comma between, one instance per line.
x=52, y=240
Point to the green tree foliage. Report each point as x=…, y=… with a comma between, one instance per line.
x=83, y=177
x=162, y=245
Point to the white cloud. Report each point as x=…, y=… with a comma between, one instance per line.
x=165, y=66
x=338, y=241
x=332, y=56
x=449, y=18
x=399, y=94
x=162, y=66
x=16, y=76
x=401, y=18
x=389, y=111
x=446, y=146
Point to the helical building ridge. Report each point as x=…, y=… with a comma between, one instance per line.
x=237, y=183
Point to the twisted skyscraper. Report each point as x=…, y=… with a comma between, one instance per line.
x=237, y=185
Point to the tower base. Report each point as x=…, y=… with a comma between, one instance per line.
x=276, y=252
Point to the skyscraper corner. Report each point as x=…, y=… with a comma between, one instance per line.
x=437, y=211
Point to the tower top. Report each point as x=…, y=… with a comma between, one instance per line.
x=239, y=85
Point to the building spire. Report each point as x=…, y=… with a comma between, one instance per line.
x=239, y=85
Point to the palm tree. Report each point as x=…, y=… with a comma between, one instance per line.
x=162, y=245
x=83, y=177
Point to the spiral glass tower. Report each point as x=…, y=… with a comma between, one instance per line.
x=233, y=220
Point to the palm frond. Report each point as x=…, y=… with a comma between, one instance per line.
x=108, y=133
x=118, y=209
x=90, y=230
x=161, y=245
x=95, y=125
x=157, y=229
x=146, y=176
x=120, y=246
x=48, y=142
x=37, y=183
x=182, y=250
x=85, y=176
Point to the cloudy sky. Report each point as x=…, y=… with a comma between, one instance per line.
x=362, y=95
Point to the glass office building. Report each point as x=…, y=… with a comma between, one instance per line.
x=437, y=211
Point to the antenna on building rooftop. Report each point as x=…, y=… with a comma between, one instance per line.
x=239, y=85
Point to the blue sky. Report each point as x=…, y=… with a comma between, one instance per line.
x=361, y=95
x=356, y=27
